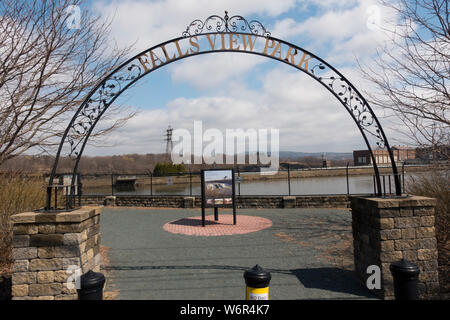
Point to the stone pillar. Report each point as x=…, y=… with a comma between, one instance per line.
x=110, y=201
x=46, y=245
x=390, y=229
x=289, y=201
x=189, y=202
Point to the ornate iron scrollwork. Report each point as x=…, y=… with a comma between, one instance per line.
x=352, y=100
x=216, y=23
x=91, y=109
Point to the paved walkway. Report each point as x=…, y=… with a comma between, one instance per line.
x=308, y=252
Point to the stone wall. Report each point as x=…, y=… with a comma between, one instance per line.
x=391, y=229
x=337, y=201
x=46, y=244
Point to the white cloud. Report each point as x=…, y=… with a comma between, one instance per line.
x=342, y=33
x=214, y=70
x=151, y=22
x=308, y=116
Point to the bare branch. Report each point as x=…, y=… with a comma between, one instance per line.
x=46, y=69
x=411, y=73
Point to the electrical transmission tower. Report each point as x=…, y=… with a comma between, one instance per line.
x=169, y=143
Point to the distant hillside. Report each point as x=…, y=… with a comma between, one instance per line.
x=142, y=163
x=327, y=155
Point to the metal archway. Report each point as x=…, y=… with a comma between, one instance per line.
x=222, y=34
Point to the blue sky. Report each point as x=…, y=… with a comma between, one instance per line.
x=229, y=91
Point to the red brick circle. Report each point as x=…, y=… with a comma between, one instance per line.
x=192, y=226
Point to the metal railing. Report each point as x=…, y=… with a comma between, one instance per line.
x=64, y=194
x=191, y=181
x=387, y=183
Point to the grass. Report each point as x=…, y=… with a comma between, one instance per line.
x=18, y=193
x=436, y=184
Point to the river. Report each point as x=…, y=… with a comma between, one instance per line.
x=359, y=184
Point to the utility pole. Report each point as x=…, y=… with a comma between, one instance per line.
x=169, y=143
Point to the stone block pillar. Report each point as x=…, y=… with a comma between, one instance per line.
x=110, y=201
x=289, y=201
x=189, y=202
x=390, y=229
x=49, y=247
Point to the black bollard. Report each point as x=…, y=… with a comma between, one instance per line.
x=91, y=286
x=406, y=275
x=257, y=280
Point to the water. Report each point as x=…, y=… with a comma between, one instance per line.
x=299, y=186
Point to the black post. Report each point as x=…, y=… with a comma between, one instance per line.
x=239, y=184
x=406, y=275
x=80, y=189
x=190, y=182
x=67, y=196
x=403, y=175
x=233, y=195
x=91, y=284
x=346, y=173
x=72, y=197
x=374, y=186
x=202, y=178
x=151, y=184
x=289, y=178
x=56, y=198
x=112, y=184
x=203, y=215
x=216, y=214
x=49, y=198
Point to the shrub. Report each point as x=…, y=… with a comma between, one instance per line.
x=18, y=193
x=436, y=184
x=164, y=169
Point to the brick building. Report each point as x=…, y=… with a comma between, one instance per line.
x=401, y=153
x=438, y=153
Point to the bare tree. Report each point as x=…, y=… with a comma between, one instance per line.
x=412, y=72
x=412, y=75
x=52, y=54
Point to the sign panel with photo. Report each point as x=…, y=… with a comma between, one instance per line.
x=218, y=187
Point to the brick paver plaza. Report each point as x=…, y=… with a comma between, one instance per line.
x=192, y=226
x=167, y=254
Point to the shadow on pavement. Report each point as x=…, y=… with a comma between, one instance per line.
x=174, y=267
x=192, y=222
x=327, y=278
x=332, y=279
